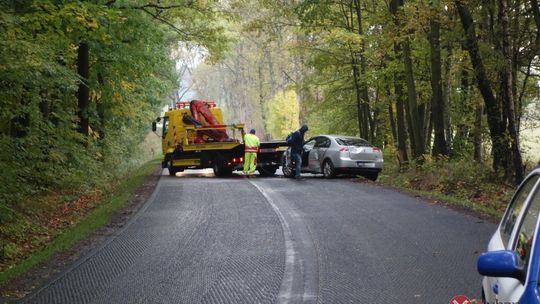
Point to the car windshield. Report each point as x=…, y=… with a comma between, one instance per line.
x=351, y=141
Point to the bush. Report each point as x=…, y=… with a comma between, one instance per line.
x=462, y=179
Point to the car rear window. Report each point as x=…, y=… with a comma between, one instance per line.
x=358, y=142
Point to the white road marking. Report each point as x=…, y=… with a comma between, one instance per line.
x=285, y=292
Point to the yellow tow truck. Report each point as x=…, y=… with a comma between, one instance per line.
x=194, y=137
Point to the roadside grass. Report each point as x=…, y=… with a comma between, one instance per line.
x=462, y=183
x=59, y=226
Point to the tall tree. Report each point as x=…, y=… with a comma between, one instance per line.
x=83, y=58
x=415, y=111
x=398, y=89
x=437, y=101
x=535, y=8
x=508, y=85
x=494, y=112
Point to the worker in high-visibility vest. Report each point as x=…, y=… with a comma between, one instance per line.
x=251, y=144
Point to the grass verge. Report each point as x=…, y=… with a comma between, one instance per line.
x=99, y=216
x=463, y=184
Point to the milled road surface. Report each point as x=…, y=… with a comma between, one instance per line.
x=202, y=239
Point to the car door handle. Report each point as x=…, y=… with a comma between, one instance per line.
x=495, y=288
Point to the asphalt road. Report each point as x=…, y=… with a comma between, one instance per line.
x=202, y=239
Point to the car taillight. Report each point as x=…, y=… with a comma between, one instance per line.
x=241, y=159
x=344, y=150
x=375, y=149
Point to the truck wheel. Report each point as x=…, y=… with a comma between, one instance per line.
x=172, y=170
x=267, y=170
x=220, y=170
x=287, y=170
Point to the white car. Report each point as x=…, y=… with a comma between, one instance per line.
x=337, y=154
x=509, y=266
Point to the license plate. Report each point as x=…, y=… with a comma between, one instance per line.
x=365, y=165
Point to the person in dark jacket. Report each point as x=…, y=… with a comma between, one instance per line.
x=296, y=141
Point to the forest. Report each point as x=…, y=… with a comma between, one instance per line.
x=444, y=79
x=446, y=86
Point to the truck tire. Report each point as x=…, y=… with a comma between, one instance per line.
x=267, y=170
x=172, y=170
x=220, y=170
x=287, y=170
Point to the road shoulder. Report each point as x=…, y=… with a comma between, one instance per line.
x=60, y=262
x=433, y=200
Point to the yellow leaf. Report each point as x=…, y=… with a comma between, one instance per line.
x=128, y=86
x=93, y=24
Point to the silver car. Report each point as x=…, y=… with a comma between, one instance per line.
x=335, y=154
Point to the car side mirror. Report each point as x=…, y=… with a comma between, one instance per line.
x=154, y=126
x=502, y=263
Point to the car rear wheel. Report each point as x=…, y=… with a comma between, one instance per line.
x=372, y=176
x=328, y=169
x=288, y=171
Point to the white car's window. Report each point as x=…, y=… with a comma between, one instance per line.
x=510, y=218
x=322, y=142
x=351, y=141
x=527, y=230
x=309, y=145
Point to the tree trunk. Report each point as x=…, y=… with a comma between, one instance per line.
x=398, y=90
x=400, y=115
x=392, y=122
x=496, y=127
x=478, y=133
x=437, y=107
x=301, y=92
x=18, y=126
x=429, y=130
x=262, y=103
x=391, y=115
x=448, y=89
x=271, y=72
x=84, y=91
x=367, y=121
x=416, y=122
x=100, y=107
x=536, y=13
x=508, y=90
x=360, y=116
